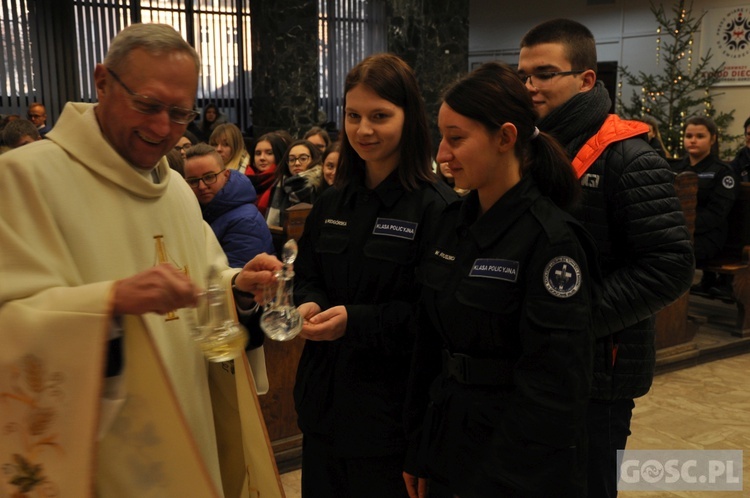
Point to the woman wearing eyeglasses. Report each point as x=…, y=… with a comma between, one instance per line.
x=227, y=203
x=186, y=141
x=299, y=177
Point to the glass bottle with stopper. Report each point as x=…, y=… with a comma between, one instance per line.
x=280, y=320
x=219, y=336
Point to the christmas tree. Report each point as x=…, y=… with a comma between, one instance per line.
x=683, y=89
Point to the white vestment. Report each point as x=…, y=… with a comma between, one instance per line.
x=74, y=218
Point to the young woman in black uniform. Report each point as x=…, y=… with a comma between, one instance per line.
x=504, y=354
x=355, y=287
x=717, y=191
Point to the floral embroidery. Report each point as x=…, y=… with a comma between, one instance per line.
x=37, y=391
x=140, y=446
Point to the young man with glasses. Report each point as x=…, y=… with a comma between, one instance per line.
x=630, y=208
x=227, y=200
x=104, y=252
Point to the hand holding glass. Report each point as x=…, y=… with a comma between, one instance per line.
x=280, y=320
x=220, y=337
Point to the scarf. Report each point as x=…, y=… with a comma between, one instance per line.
x=262, y=181
x=239, y=162
x=578, y=119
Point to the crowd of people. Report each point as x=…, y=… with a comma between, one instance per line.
x=477, y=321
x=23, y=131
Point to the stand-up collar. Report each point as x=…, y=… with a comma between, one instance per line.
x=491, y=226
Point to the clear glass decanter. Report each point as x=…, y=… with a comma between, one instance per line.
x=280, y=320
x=219, y=336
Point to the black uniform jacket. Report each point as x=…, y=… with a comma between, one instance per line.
x=717, y=191
x=360, y=248
x=517, y=285
x=741, y=164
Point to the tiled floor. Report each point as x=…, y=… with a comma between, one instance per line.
x=291, y=483
x=701, y=407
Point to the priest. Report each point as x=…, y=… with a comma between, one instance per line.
x=103, y=252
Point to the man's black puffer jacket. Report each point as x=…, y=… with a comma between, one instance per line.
x=629, y=206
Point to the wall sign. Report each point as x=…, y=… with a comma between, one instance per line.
x=726, y=32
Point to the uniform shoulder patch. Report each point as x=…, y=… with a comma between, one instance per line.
x=728, y=182
x=562, y=277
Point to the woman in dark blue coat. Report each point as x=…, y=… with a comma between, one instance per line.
x=227, y=201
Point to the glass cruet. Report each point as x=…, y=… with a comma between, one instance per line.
x=219, y=336
x=280, y=320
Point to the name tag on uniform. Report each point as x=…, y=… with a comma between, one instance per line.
x=395, y=228
x=500, y=269
x=331, y=221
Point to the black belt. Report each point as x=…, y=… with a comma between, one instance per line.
x=477, y=371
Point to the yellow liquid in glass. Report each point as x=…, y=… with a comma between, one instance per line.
x=224, y=344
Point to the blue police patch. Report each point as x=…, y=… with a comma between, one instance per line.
x=395, y=228
x=501, y=269
x=562, y=277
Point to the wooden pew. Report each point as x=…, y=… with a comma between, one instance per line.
x=277, y=405
x=281, y=364
x=734, y=260
x=673, y=326
x=293, y=221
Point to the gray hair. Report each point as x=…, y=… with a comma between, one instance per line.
x=156, y=39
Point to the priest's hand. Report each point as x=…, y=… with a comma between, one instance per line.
x=160, y=289
x=258, y=275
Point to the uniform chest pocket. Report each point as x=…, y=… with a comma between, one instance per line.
x=332, y=242
x=489, y=295
x=391, y=249
x=434, y=273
